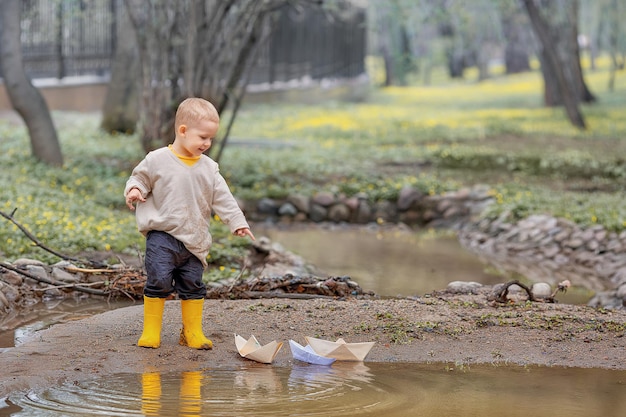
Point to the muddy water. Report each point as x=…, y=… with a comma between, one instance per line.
x=344, y=389
x=388, y=262
x=25, y=322
x=393, y=262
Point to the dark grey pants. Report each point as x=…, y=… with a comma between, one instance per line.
x=172, y=268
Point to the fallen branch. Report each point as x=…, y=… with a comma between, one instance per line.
x=76, y=287
x=38, y=243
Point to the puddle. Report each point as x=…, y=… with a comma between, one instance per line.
x=343, y=389
x=24, y=323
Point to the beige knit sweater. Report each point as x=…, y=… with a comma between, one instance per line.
x=181, y=199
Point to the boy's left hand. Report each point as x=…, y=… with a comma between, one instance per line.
x=243, y=232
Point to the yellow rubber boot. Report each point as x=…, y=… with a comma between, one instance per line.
x=191, y=334
x=152, y=319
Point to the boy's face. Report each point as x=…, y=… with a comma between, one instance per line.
x=195, y=138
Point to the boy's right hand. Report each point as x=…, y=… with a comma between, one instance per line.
x=133, y=196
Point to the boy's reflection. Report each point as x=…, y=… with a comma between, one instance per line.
x=190, y=394
x=151, y=393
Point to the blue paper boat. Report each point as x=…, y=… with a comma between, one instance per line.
x=307, y=354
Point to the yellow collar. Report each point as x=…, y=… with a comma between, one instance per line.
x=188, y=160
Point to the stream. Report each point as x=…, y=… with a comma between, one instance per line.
x=388, y=262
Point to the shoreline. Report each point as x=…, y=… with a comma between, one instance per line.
x=461, y=329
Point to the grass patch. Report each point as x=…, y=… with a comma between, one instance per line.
x=437, y=139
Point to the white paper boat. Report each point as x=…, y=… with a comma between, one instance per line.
x=340, y=350
x=252, y=349
x=307, y=354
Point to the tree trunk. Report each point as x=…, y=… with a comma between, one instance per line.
x=583, y=92
x=25, y=98
x=517, y=36
x=560, y=83
x=153, y=24
x=193, y=48
x=120, y=112
x=614, y=30
x=456, y=62
x=389, y=67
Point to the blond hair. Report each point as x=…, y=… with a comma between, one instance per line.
x=194, y=109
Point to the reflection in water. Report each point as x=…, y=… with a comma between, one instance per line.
x=190, y=394
x=151, y=393
x=343, y=389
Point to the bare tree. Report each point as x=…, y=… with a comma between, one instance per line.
x=518, y=37
x=25, y=98
x=615, y=11
x=121, y=106
x=198, y=48
x=555, y=24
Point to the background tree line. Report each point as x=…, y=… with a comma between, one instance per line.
x=413, y=36
x=170, y=50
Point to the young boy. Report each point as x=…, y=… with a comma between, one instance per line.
x=176, y=190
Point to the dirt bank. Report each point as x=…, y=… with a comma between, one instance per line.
x=458, y=329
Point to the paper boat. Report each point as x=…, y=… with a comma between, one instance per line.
x=340, y=350
x=252, y=349
x=307, y=354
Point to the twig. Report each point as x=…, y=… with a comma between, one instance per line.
x=504, y=291
x=91, y=284
x=40, y=244
x=93, y=270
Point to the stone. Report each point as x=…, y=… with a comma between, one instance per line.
x=593, y=245
x=26, y=261
x=287, y=209
x=574, y=243
x=463, y=287
x=386, y=211
x=562, y=236
x=541, y=290
x=453, y=211
x=302, y=203
x=323, y=199
x=550, y=251
x=267, y=206
x=62, y=275
x=37, y=270
x=444, y=205
x=408, y=197
x=318, y=213
x=621, y=292
x=338, y=213
x=363, y=213
x=352, y=203
x=12, y=278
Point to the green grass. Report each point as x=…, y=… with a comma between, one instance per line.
x=437, y=138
